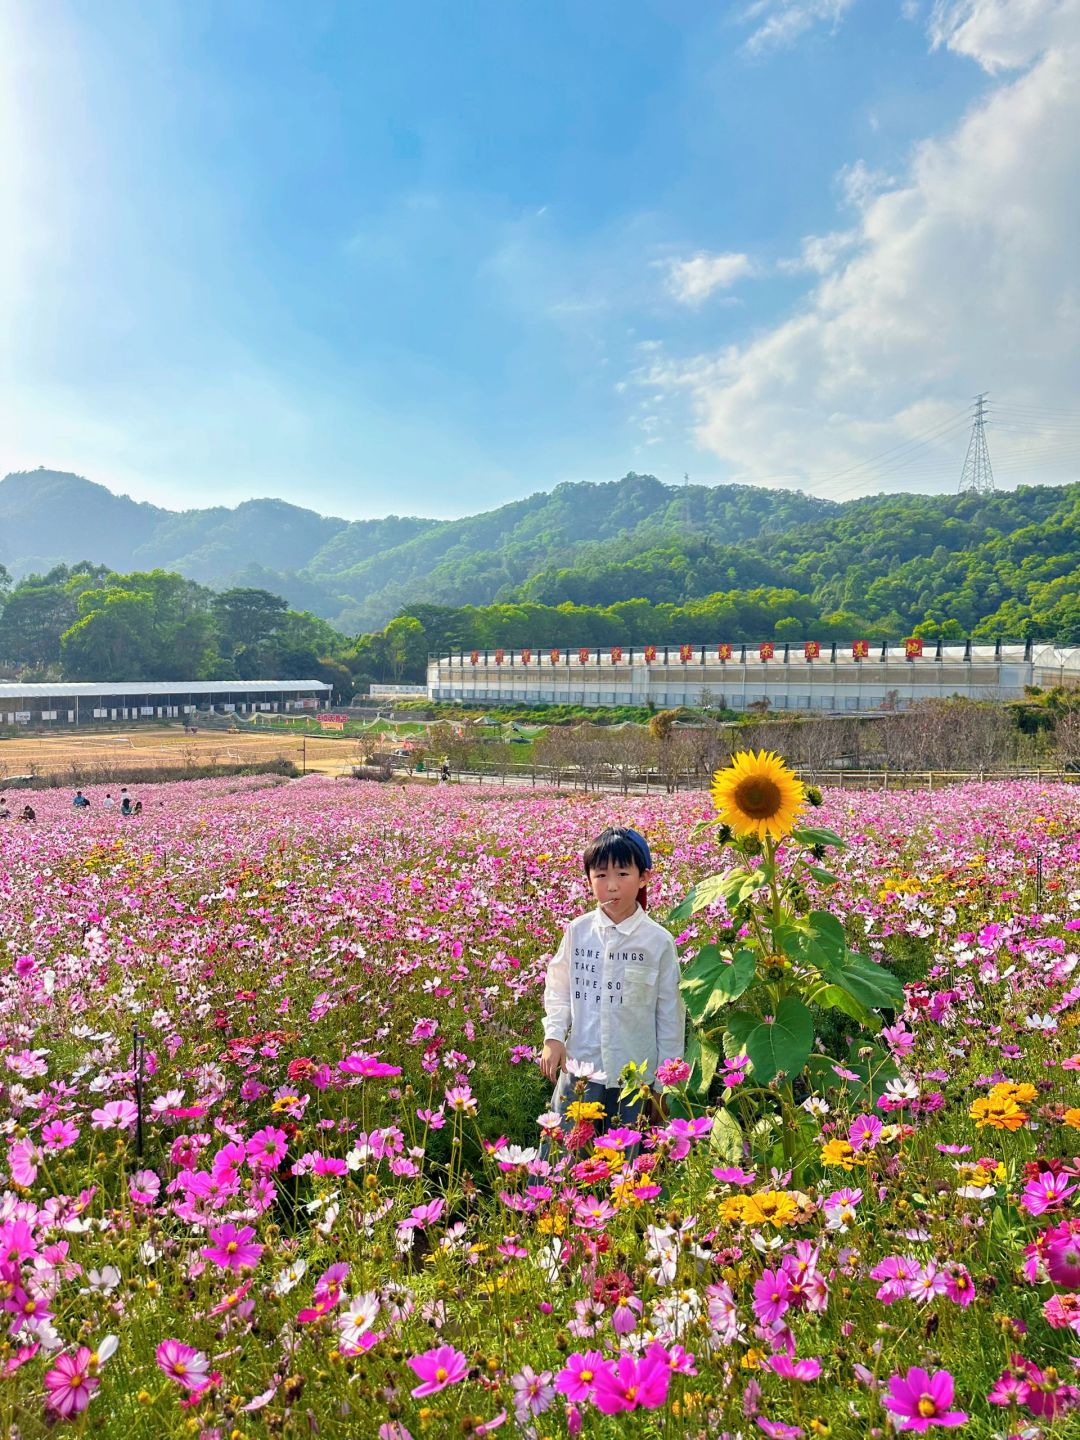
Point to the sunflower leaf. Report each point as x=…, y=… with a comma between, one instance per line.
x=783, y=1042
x=814, y=835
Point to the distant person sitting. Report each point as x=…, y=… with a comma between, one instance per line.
x=80, y=802
x=125, y=805
x=109, y=802
x=27, y=813
x=136, y=809
x=5, y=813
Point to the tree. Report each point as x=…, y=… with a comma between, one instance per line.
x=406, y=649
x=114, y=640
x=247, y=619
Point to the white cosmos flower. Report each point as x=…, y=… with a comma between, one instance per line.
x=106, y=1279
x=289, y=1277
x=358, y=1317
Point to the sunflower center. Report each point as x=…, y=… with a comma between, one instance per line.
x=758, y=796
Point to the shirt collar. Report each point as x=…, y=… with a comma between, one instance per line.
x=624, y=927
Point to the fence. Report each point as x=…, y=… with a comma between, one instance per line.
x=654, y=783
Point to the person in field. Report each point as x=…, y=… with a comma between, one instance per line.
x=612, y=992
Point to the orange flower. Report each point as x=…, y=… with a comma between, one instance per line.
x=1072, y=1119
x=1000, y=1112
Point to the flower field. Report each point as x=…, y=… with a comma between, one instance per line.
x=321, y=1205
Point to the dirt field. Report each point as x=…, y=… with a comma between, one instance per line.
x=97, y=755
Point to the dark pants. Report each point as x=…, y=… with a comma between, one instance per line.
x=617, y=1112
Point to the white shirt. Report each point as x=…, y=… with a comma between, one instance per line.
x=614, y=989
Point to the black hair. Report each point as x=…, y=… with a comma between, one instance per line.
x=614, y=846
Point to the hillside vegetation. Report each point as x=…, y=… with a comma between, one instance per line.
x=630, y=562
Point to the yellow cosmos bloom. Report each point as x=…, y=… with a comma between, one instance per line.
x=838, y=1152
x=1000, y=1112
x=1072, y=1119
x=775, y=1207
x=758, y=795
x=585, y=1110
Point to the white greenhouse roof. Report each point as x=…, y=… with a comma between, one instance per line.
x=57, y=689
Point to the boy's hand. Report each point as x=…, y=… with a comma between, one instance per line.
x=552, y=1059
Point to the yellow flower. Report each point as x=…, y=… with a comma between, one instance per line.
x=758, y=795
x=838, y=1152
x=733, y=1208
x=774, y=1207
x=585, y=1110
x=1019, y=1094
x=997, y=1111
x=1072, y=1119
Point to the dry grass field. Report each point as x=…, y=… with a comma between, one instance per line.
x=97, y=756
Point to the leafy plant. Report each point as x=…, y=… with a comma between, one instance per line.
x=771, y=964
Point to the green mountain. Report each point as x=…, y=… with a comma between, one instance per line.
x=360, y=574
x=644, y=559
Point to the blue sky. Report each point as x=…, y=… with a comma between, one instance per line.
x=426, y=258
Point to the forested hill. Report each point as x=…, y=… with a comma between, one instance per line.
x=647, y=561
x=359, y=574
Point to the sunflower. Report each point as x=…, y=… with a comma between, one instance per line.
x=758, y=795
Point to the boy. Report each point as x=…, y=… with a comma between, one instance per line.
x=613, y=985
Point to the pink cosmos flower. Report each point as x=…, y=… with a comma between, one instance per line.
x=629, y=1384
x=678, y=1360
x=232, y=1248
x=329, y=1165
x=435, y=1369
x=23, y=1160
x=734, y=1175
x=959, y=1285
x=184, y=1364
x=533, y=1393
x=918, y=1400
x=865, y=1132
x=423, y=1215
x=1062, y=1312
x=461, y=1099
x=778, y=1429
x=144, y=1186
x=115, y=1115
x=772, y=1296
x=266, y=1148
x=899, y=1272
x=577, y=1379
x=70, y=1383
x=672, y=1072
x=789, y=1369
x=1063, y=1261
x=367, y=1067
x=59, y=1134
x=1046, y=1192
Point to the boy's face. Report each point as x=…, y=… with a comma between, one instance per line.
x=615, y=888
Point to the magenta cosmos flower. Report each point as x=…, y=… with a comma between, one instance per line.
x=1047, y=1192
x=577, y=1379
x=187, y=1366
x=631, y=1384
x=437, y=1368
x=918, y=1400
x=266, y=1148
x=70, y=1384
x=232, y=1248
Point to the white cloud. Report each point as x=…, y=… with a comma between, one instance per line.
x=694, y=280
x=779, y=22
x=958, y=277
x=1003, y=34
